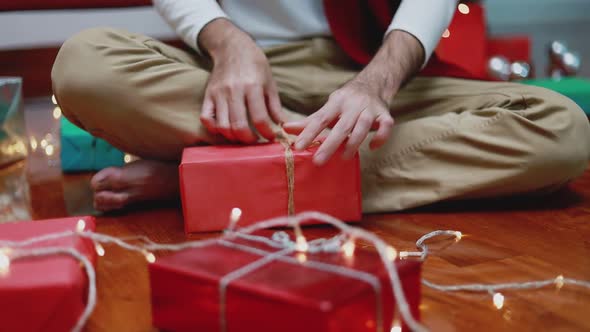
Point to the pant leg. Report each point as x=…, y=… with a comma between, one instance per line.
x=461, y=139
x=141, y=95
x=453, y=138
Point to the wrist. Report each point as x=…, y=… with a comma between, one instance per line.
x=398, y=59
x=219, y=37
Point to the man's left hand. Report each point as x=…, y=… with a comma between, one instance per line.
x=362, y=104
x=352, y=111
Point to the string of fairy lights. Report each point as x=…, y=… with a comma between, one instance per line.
x=345, y=243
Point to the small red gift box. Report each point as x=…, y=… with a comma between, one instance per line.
x=215, y=179
x=45, y=293
x=220, y=287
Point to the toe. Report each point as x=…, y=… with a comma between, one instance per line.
x=107, y=179
x=109, y=200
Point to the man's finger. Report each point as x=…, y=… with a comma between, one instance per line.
x=359, y=133
x=222, y=118
x=338, y=134
x=259, y=113
x=208, y=115
x=316, y=124
x=296, y=127
x=274, y=105
x=385, y=122
x=238, y=119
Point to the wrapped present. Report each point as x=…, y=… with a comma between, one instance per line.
x=264, y=181
x=575, y=88
x=80, y=151
x=514, y=48
x=44, y=293
x=242, y=285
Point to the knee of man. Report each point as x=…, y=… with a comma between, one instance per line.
x=80, y=68
x=565, y=151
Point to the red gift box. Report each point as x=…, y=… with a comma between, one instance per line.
x=287, y=294
x=45, y=293
x=215, y=179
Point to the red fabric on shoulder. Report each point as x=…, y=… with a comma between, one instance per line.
x=358, y=27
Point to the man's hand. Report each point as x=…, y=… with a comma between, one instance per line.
x=362, y=104
x=356, y=109
x=240, y=89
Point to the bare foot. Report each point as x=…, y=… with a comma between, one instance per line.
x=139, y=181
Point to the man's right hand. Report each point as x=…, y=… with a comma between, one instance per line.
x=241, y=88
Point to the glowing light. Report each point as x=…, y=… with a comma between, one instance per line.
x=446, y=34
x=301, y=257
x=53, y=100
x=49, y=150
x=301, y=244
x=99, y=249
x=391, y=253
x=236, y=214
x=33, y=142
x=4, y=262
x=458, y=236
x=396, y=327
x=403, y=254
x=559, y=281
x=127, y=158
x=463, y=8
x=57, y=112
x=80, y=226
x=498, y=300
x=150, y=257
x=43, y=143
x=348, y=248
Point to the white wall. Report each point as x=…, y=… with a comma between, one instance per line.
x=19, y=30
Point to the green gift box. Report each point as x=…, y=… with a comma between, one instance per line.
x=80, y=151
x=575, y=88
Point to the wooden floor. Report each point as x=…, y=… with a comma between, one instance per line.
x=506, y=240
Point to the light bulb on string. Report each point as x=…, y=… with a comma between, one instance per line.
x=301, y=257
x=348, y=248
x=4, y=261
x=53, y=100
x=396, y=326
x=458, y=236
x=559, y=281
x=80, y=226
x=463, y=8
x=149, y=257
x=498, y=300
x=301, y=244
x=56, y=112
x=234, y=217
x=99, y=249
x=391, y=253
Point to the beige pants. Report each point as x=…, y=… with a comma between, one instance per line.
x=453, y=139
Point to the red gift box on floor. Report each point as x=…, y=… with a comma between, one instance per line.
x=45, y=293
x=215, y=179
x=317, y=292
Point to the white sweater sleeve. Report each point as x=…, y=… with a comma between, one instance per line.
x=424, y=19
x=188, y=17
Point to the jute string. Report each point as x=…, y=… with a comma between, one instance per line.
x=283, y=138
